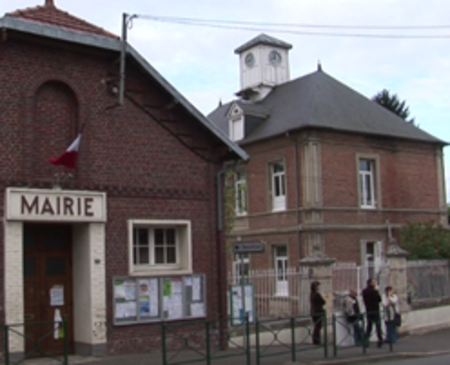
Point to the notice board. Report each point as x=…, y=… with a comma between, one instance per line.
x=153, y=299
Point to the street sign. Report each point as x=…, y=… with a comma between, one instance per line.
x=248, y=247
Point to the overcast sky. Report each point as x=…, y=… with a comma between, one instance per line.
x=200, y=62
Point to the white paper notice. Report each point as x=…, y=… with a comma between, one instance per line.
x=130, y=290
x=196, y=289
x=57, y=295
x=197, y=310
x=188, y=281
x=177, y=287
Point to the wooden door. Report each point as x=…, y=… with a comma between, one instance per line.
x=47, y=287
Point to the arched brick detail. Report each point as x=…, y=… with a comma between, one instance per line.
x=35, y=165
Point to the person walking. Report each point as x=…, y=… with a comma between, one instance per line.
x=353, y=315
x=372, y=300
x=317, y=304
x=391, y=309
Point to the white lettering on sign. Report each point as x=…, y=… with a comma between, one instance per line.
x=33, y=204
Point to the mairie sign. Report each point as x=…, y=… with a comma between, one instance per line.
x=248, y=247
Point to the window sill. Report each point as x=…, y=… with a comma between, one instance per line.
x=159, y=272
x=368, y=207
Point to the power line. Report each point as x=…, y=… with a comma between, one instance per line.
x=257, y=26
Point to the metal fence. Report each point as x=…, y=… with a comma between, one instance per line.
x=428, y=279
x=277, y=294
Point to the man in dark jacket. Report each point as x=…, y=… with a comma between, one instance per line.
x=372, y=300
x=317, y=304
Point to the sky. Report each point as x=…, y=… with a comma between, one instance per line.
x=200, y=61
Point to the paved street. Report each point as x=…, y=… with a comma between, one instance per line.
x=429, y=360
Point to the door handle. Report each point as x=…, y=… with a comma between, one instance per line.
x=29, y=317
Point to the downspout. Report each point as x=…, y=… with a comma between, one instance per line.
x=297, y=195
x=221, y=254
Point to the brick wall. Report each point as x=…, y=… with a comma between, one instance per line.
x=47, y=93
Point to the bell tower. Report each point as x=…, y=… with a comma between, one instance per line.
x=263, y=64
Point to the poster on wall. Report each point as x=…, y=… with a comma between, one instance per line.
x=237, y=304
x=148, y=298
x=173, y=298
x=194, y=296
x=125, y=300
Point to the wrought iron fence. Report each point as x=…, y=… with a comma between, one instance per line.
x=34, y=346
x=428, y=279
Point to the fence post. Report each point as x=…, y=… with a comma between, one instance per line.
x=163, y=343
x=335, y=345
x=6, y=334
x=64, y=323
x=325, y=340
x=208, y=349
x=293, y=344
x=258, y=357
x=247, y=338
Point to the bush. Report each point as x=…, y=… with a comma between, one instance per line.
x=425, y=241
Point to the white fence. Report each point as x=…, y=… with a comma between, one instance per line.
x=277, y=294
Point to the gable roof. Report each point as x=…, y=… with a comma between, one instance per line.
x=263, y=39
x=319, y=101
x=112, y=43
x=50, y=14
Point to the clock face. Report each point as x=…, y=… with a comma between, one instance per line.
x=250, y=60
x=274, y=58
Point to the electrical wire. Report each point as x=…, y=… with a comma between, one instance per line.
x=280, y=28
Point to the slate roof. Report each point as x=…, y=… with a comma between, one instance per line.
x=50, y=14
x=318, y=100
x=263, y=39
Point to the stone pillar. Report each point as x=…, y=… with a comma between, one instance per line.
x=396, y=258
x=318, y=267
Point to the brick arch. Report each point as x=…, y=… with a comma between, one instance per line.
x=54, y=111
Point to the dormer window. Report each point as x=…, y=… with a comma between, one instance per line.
x=237, y=128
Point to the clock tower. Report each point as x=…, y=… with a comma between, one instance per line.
x=264, y=63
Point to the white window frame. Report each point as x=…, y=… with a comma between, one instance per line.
x=237, y=271
x=281, y=272
x=372, y=262
x=240, y=193
x=367, y=181
x=278, y=186
x=183, y=247
x=236, y=128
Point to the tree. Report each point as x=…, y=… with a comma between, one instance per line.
x=393, y=103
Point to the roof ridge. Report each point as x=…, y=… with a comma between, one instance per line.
x=50, y=14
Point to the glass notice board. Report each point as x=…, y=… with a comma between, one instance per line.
x=152, y=299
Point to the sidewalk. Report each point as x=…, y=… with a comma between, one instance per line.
x=430, y=344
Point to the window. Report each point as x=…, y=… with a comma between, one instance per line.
x=241, y=269
x=278, y=186
x=367, y=183
x=236, y=127
x=240, y=191
x=160, y=246
x=371, y=259
x=281, y=267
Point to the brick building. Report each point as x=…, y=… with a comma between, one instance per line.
x=129, y=238
x=328, y=167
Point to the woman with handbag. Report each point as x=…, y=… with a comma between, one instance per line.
x=392, y=314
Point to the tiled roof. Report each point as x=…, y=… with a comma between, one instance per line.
x=50, y=14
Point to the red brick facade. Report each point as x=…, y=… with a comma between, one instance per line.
x=407, y=189
x=47, y=91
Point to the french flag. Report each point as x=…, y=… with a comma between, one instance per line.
x=70, y=155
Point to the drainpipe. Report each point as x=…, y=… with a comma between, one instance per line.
x=297, y=194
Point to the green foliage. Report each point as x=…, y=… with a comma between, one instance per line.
x=393, y=103
x=229, y=202
x=425, y=241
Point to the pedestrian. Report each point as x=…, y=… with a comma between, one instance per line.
x=317, y=304
x=353, y=315
x=391, y=310
x=372, y=300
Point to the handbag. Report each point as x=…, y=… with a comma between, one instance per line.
x=398, y=319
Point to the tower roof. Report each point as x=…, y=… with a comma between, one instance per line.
x=263, y=39
x=50, y=14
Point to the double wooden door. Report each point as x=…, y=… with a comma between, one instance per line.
x=47, y=287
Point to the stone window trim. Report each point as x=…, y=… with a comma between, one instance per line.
x=376, y=203
x=183, y=248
